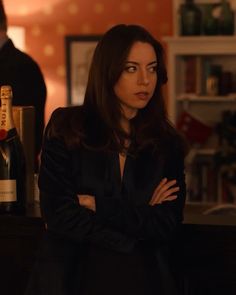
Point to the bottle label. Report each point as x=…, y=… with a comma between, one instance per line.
x=6, y=114
x=8, y=190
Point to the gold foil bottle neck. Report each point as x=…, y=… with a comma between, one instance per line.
x=6, y=92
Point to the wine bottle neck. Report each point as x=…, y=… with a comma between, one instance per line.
x=6, y=115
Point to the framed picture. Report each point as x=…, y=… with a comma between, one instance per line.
x=79, y=52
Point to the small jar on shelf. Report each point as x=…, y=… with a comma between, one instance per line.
x=213, y=80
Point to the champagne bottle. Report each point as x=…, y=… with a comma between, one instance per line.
x=12, y=160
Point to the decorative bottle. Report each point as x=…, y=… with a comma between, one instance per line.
x=190, y=19
x=226, y=21
x=210, y=22
x=12, y=160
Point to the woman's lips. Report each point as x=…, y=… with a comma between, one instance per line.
x=142, y=95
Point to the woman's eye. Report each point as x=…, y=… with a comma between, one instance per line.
x=152, y=69
x=130, y=69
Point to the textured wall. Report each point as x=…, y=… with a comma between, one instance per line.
x=48, y=21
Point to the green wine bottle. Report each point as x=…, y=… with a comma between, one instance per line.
x=226, y=21
x=190, y=18
x=210, y=23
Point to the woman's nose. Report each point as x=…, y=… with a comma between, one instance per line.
x=143, y=77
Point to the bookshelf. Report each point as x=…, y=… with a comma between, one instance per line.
x=221, y=47
x=206, y=165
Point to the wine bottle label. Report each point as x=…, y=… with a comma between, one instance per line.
x=8, y=190
x=6, y=114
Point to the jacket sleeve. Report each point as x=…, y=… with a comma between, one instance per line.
x=144, y=222
x=60, y=207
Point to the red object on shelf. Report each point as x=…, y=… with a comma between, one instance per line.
x=194, y=130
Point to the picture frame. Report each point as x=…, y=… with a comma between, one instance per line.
x=79, y=52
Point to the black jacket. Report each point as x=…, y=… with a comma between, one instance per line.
x=24, y=75
x=123, y=217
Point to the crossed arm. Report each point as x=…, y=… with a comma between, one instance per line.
x=165, y=191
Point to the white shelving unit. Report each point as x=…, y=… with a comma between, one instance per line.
x=178, y=47
x=219, y=50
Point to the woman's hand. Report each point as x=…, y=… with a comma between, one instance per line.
x=87, y=201
x=165, y=191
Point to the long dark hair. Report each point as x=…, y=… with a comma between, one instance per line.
x=101, y=112
x=3, y=17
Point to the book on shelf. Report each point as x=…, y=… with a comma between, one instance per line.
x=192, y=81
x=203, y=77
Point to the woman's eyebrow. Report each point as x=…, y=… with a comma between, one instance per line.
x=153, y=63
x=136, y=63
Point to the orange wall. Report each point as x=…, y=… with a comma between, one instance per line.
x=48, y=21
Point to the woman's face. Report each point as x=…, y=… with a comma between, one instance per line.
x=137, y=82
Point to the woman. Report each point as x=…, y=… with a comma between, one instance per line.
x=112, y=177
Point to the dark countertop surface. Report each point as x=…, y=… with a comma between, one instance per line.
x=193, y=214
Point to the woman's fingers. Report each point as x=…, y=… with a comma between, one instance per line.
x=87, y=201
x=160, y=185
x=163, y=186
x=165, y=191
x=165, y=195
x=171, y=198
